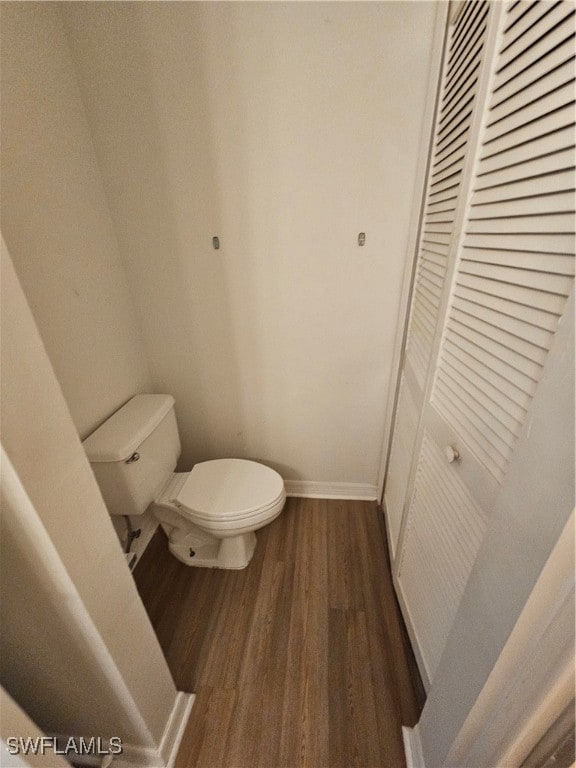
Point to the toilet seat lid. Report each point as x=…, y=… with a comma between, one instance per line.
x=229, y=487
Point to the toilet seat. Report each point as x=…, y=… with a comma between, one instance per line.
x=213, y=518
x=229, y=490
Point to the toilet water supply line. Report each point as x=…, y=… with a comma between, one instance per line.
x=131, y=534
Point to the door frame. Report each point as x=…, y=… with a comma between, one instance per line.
x=441, y=22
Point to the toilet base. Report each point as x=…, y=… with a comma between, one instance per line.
x=233, y=552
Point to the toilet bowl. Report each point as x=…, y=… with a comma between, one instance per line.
x=210, y=514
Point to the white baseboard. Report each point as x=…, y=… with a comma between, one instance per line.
x=413, y=747
x=175, y=727
x=310, y=489
x=165, y=755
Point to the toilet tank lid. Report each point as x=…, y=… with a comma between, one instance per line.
x=127, y=428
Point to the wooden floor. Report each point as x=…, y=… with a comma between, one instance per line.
x=299, y=660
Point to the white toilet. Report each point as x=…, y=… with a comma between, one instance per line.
x=210, y=514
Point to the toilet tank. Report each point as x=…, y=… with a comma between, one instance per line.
x=134, y=453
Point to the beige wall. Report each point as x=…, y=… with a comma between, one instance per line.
x=56, y=222
x=48, y=664
x=286, y=129
x=15, y=721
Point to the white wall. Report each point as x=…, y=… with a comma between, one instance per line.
x=286, y=129
x=56, y=221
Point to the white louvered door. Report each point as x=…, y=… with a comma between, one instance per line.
x=456, y=102
x=508, y=275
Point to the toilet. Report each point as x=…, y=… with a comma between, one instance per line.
x=209, y=514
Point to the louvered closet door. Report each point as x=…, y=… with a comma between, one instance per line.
x=457, y=98
x=509, y=282
x=516, y=262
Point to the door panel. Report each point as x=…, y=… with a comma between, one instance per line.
x=457, y=96
x=456, y=105
x=494, y=272
x=511, y=256
x=444, y=530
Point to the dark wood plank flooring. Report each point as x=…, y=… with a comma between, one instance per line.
x=299, y=660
